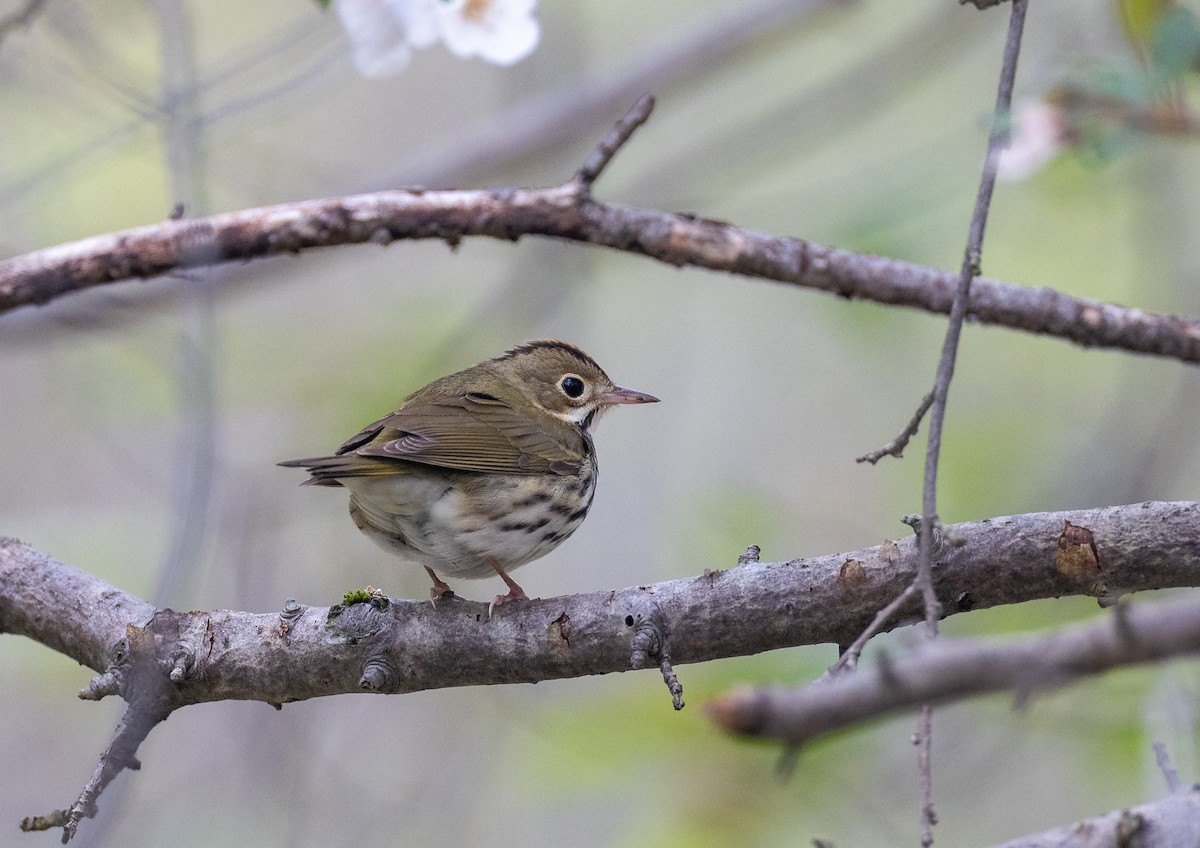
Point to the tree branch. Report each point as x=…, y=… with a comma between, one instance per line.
x=159, y=660
x=1171, y=822
x=22, y=17
x=308, y=652
x=947, y=671
x=566, y=212
x=603, y=153
x=1170, y=775
x=64, y=608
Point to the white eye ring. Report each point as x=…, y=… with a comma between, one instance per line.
x=572, y=386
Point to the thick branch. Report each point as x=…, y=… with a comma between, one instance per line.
x=948, y=671
x=64, y=608
x=1171, y=822
x=410, y=646
x=561, y=212
x=162, y=660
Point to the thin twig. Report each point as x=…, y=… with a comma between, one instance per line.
x=20, y=18
x=849, y=657
x=133, y=728
x=195, y=372
x=958, y=312
x=1163, y=759
x=923, y=739
x=945, y=372
x=550, y=120
x=138, y=670
x=611, y=143
x=897, y=445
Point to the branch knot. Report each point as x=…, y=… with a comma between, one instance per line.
x=650, y=640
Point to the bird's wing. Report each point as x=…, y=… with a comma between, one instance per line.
x=471, y=432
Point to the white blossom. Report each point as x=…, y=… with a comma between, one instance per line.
x=499, y=31
x=1038, y=136
x=382, y=33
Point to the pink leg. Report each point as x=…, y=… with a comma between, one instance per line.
x=439, y=589
x=515, y=592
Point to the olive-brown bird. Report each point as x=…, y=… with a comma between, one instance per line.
x=483, y=470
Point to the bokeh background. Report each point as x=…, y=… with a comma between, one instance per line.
x=140, y=423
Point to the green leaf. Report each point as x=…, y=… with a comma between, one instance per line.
x=1140, y=18
x=1175, y=48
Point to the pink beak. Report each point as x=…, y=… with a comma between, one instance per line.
x=621, y=395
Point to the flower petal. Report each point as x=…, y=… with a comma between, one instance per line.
x=500, y=31
x=377, y=40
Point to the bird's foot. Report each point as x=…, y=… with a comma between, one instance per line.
x=515, y=594
x=438, y=591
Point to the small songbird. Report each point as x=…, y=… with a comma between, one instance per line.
x=483, y=470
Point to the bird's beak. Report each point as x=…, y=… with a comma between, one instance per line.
x=617, y=394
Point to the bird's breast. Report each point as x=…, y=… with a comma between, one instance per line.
x=474, y=518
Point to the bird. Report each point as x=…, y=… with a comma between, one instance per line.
x=483, y=470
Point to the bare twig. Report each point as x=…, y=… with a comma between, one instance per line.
x=849, y=658
x=614, y=141
x=1170, y=775
x=120, y=754
x=196, y=457
x=22, y=17
x=943, y=671
x=972, y=257
x=897, y=445
x=945, y=373
x=923, y=740
x=551, y=119
x=141, y=673
x=651, y=641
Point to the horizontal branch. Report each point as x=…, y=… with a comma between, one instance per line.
x=305, y=652
x=64, y=608
x=159, y=660
x=567, y=212
x=1171, y=822
x=951, y=670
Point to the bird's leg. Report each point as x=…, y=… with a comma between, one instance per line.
x=515, y=592
x=440, y=588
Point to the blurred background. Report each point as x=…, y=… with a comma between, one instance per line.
x=140, y=423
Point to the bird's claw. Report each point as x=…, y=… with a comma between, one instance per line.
x=517, y=594
x=438, y=591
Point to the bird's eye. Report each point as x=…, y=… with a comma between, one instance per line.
x=572, y=386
